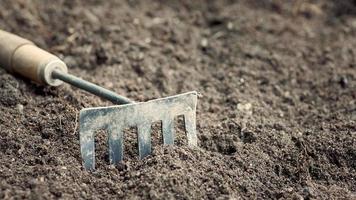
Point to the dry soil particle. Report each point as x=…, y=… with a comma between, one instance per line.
x=276, y=116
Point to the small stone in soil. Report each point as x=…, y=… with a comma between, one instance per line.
x=343, y=82
x=19, y=108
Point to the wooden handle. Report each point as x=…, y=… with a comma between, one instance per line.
x=18, y=55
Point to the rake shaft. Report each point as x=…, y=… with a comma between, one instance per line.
x=91, y=87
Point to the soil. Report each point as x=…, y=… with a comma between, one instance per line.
x=276, y=112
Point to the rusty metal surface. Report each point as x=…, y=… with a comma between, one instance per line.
x=115, y=119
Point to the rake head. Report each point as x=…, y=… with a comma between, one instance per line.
x=114, y=119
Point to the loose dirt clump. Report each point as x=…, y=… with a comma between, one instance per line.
x=277, y=106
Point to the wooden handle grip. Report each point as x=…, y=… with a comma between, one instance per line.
x=18, y=55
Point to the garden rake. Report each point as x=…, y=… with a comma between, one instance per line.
x=18, y=55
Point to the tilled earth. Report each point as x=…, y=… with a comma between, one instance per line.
x=276, y=112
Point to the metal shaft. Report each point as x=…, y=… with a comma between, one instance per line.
x=91, y=87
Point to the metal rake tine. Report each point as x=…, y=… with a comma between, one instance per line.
x=87, y=146
x=116, y=145
x=144, y=139
x=168, y=131
x=190, y=128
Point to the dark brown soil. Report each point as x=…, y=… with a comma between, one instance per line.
x=276, y=114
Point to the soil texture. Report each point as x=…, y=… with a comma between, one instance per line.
x=276, y=111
